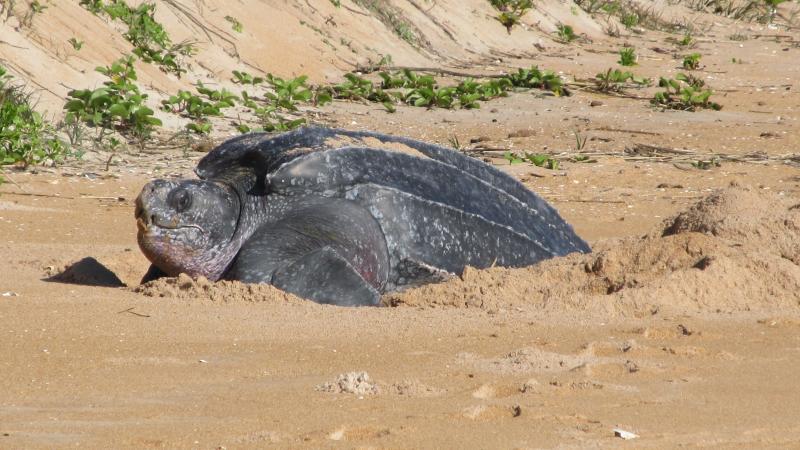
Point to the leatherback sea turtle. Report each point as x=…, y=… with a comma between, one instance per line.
x=323, y=214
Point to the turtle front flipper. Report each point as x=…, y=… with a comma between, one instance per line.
x=153, y=273
x=324, y=276
x=329, y=250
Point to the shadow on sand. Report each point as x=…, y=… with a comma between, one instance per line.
x=87, y=272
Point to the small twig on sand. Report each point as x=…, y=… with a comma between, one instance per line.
x=655, y=150
x=12, y=181
x=99, y=197
x=483, y=150
x=33, y=194
x=131, y=311
x=645, y=152
x=585, y=200
x=108, y=162
x=439, y=71
x=619, y=130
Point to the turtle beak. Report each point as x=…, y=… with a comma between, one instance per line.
x=142, y=219
x=144, y=216
x=137, y=213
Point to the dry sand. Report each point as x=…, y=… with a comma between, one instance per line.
x=682, y=327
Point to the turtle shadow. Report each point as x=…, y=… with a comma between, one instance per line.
x=87, y=272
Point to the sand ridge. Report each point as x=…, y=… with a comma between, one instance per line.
x=184, y=287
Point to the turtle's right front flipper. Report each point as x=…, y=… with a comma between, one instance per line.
x=326, y=277
x=153, y=273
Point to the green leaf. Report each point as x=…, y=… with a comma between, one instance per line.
x=98, y=94
x=74, y=105
x=118, y=110
x=389, y=107
x=537, y=160
x=143, y=111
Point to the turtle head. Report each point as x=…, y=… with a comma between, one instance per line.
x=188, y=226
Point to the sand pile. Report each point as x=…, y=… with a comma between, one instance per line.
x=360, y=383
x=737, y=250
x=357, y=383
x=185, y=288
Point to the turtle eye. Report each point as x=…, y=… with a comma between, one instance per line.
x=181, y=200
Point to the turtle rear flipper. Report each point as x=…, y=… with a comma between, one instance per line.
x=325, y=277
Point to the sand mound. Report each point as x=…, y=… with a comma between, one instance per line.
x=360, y=383
x=185, y=288
x=357, y=383
x=737, y=250
x=754, y=220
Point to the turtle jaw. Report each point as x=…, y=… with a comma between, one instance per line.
x=167, y=249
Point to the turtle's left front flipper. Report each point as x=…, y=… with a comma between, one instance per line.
x=324, y=276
